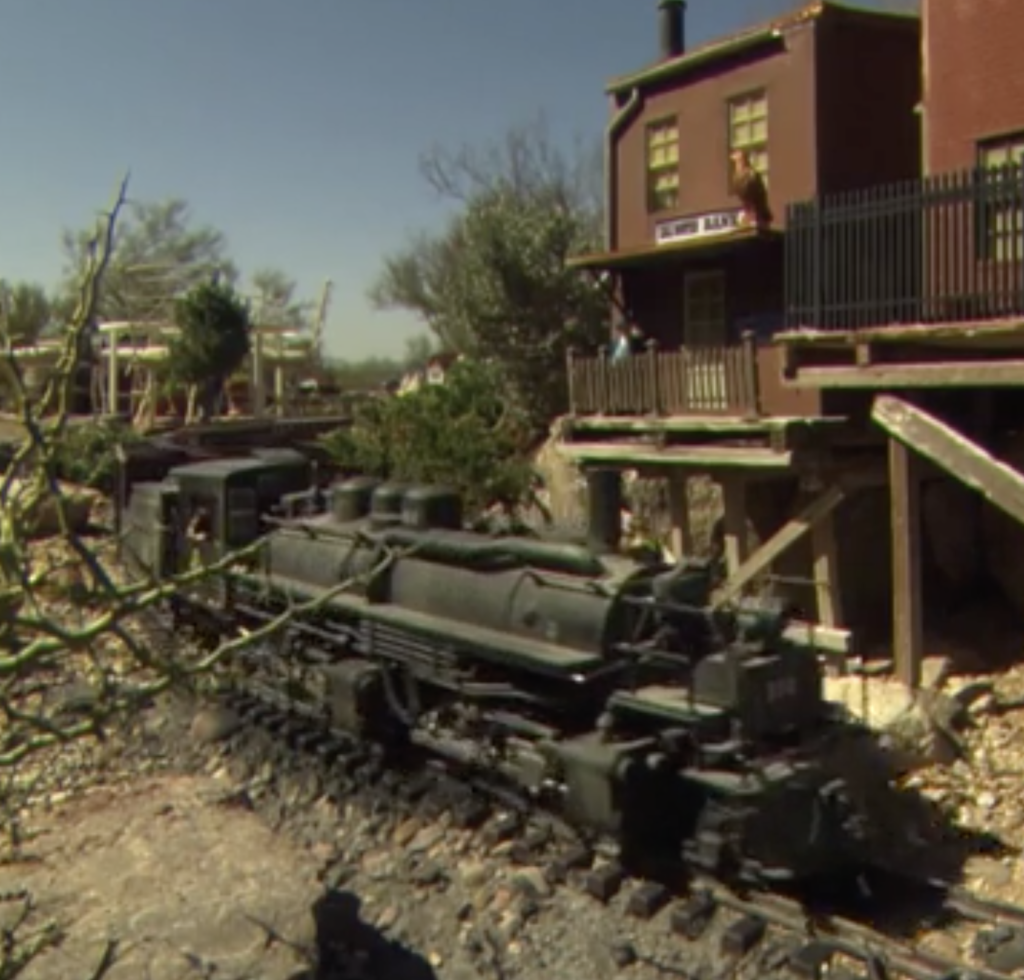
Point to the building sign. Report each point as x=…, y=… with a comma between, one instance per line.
x=698, y=226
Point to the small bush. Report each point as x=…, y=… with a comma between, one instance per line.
x=87, y=454
x=465, y=434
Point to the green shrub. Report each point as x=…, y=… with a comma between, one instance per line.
x=465, y=434
x=87, y=456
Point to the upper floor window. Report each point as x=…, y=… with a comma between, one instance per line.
x=663, y=165
x=748, y=129
x=1003, y=211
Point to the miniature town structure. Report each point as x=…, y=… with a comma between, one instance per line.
x=852, y=336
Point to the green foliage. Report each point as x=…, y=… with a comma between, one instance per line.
x=158, y=256
x=465, y=434
x=494, y=283
x=274, y=303
x=27, y=311
x=87, y=454
x=214, y=341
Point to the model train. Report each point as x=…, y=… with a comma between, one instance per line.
x=594, y=683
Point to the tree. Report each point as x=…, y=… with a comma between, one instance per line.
x=99, y=648
x=494, y=282
x=465, y=434
x=214, y=341
x=419, y=349
x=27, y=311
x=158, y=256
x=274, y=302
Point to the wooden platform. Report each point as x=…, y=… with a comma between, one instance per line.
x=700, y=443
x=987, y=353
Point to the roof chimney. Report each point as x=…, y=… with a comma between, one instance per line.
x=672, y=23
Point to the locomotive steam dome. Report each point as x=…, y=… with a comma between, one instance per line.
x=427, y=507
x=386, y=504
x=351, y=500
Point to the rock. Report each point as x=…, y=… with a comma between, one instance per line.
x=987, y=800
x=473, y=874
x=501, y=900
x=532, y=882
x=934, y=672
x=387, y=917
x=969, y=693
x=406, y=831
x=623, y=954
x=435, y=959
x=427, y=838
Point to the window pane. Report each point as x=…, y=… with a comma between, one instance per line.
x=740, y=112
x=995, y=157
x=759, y=131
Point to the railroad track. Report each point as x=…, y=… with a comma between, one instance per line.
x=767, y=933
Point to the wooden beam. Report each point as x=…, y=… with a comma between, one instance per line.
x=697, y=457
x=734, y=505
x=826, y=571
x=828, y=639
x=982, y=330
x=954, y=374
x=781, y=541
x=998, y=483
x=679, y=513
x=683, y=423
x=907, y=613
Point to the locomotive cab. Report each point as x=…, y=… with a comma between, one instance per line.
x=222, y=502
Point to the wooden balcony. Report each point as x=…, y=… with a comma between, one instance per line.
x=704, y=381
x=930, y=252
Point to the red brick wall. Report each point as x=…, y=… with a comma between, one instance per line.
x=974, y=76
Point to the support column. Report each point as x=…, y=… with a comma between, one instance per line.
x=113, y=401
x=826, y=572
x=734, y=500
x=604, y=510
x=907, y=610
x=681, y=541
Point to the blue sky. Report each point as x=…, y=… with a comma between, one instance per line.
x=294, y=126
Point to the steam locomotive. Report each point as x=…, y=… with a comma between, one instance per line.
x=595, y=684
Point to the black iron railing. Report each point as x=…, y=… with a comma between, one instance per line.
x=941, y=249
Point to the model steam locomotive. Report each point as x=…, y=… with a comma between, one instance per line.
x=597, y=684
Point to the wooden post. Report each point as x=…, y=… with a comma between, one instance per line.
x=681, y=542
x=908, y=618
x=826, y=572
x=734, y=499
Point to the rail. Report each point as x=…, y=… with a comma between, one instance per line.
x=689, y=381
x=946, y=248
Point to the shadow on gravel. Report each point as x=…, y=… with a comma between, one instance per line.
x=347, y=948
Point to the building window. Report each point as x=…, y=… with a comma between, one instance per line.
x=704, y=309
x=1002, y=224
x=748, y=129
x=663, y=165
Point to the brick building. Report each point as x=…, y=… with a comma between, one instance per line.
x=973, y=105
x=813, y=114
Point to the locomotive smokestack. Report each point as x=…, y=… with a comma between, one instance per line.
x=604, y=510
x=672, y=27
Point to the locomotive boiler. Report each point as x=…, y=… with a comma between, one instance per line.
x=597, y=685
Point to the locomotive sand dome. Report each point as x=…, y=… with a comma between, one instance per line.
x=593, y=683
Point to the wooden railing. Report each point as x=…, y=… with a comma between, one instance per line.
x=689, y=381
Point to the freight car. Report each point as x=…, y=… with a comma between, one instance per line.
x=594, y=684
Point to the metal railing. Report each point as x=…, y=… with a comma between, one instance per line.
x=689, y=381
x=941, y=249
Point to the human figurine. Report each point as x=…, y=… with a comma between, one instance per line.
x=749, y=186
